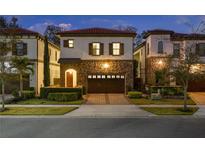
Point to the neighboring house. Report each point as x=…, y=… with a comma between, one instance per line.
x=31, y=45
x=99, y=59
x=157, y=45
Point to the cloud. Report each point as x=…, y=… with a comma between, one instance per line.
x=182, y=20
x=41, y=27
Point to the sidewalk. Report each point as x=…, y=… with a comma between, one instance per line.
x=40, y=105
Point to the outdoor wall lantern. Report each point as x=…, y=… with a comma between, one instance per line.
x=105, y=65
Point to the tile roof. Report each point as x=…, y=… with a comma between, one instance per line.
x=17, y=31
x=96, y=30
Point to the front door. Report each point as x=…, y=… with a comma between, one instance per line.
x=69, y=79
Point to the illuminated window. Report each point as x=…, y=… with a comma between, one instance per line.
x=122, y=77
x=116, y=48
x=118, y=76
x=96, y=48
x=99, y=76
x=90, y=76
x=94, y=76
x=113, y=76
x=103, y=76
x=108, y=76
x=71, y=43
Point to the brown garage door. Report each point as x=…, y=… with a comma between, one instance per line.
x=102, y=84
x=197, y=86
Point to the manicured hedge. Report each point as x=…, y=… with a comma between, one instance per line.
x=62, y=97
x=46, y=90
x=27, y=94
x=167, y=90
x=134, y=94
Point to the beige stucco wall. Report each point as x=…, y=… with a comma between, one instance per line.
x=81, y=48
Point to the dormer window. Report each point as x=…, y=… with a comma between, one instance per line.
x=160, y=47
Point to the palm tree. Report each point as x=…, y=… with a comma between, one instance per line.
x=22, y=66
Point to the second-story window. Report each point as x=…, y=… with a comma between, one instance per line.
x=147, y=48
x=56, y=55
x=176, y=50
x=19, y=49
x=68, y=43
x=96, y=49
x=116, y=48
x=160, y=47
x=200, y=49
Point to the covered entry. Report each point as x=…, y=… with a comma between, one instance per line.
x=106, y=83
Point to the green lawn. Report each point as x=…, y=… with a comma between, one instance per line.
x=170, y=110
x=37, y=110
x=143, y=101
x=47, y=102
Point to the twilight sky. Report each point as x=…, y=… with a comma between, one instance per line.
x=177, y=23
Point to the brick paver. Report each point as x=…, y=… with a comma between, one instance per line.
x=102, y=99
x=198, y=97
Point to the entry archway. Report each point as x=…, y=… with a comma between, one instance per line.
x=70, y=78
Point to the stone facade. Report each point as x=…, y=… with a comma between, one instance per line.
x=86, y=67
x=155, y=64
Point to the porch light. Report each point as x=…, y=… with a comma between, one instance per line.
x=160, y=62
x=105, y=65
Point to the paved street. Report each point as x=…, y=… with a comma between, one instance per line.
x=103, y=127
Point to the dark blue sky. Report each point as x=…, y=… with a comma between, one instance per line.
x=177, y=23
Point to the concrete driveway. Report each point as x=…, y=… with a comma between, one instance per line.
x=198, y=97
x=109, y=111
x=102, y=99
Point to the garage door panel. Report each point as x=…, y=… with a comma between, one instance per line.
x=106, y=86
x=197, y=86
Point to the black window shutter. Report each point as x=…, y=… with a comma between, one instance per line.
x=197, y=49
x=121, y=49
x=65, y=43
x=90, y=49
x=110, y=49
x=24, y=48
x=101, y=48
x=14, y=51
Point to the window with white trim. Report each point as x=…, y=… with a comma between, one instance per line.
x=96, y=48
x=71, y=43
x=116, y=48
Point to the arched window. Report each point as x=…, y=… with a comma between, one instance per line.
x=160, y=47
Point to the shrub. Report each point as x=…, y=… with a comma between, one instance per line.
x=15, y=93
x=167, y=90
x=46, y=90
x=62, y=97
x=27, y=94
x=134, y=94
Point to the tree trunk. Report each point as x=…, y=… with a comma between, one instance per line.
x=21, y=85
x=3, y=94
x=185, y=98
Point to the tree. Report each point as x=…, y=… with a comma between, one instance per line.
x=13, y=23
x=5, y=48
x=46, y=64
x=3, y=22
x=22, y=66
x=50, y=33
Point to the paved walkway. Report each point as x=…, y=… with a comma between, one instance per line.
x=109, y=111
x=102, y=99
x=198, y=97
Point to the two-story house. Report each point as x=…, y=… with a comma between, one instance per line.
x=99, y=59
x=31, y=44
x=157, y=45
